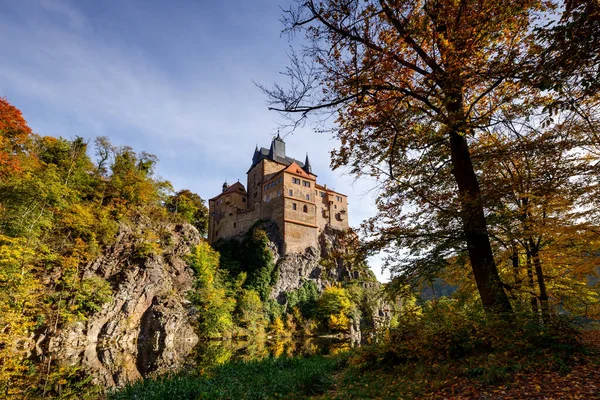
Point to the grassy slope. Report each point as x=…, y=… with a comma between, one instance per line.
x=539, y=375
x=289, y=378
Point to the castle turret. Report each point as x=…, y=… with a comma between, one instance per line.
x=307, y=168
x=256, y=156
x=277, y=148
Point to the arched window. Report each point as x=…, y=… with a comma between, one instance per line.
x=305, y=208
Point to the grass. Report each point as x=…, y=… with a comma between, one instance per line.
x=271, y=378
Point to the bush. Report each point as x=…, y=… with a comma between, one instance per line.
x=448, y=331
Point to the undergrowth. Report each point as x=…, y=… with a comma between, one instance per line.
x=447, y=343
x=272, y=378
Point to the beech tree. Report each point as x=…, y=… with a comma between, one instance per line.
x=413, y=84
x=408, y=78
x=537, y=180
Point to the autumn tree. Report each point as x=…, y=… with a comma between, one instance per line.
x=191, y=208
x=410, y=78
x=14, y=132
x=537, y=179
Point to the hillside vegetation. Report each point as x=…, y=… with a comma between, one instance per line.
x=67, y=203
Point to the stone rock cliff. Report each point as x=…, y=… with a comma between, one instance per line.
x=146, y=326
x=329, y=263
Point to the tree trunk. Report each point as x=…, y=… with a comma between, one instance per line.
x=533, y=300
x=514, y=257
x=488, y=281
x=541, y=283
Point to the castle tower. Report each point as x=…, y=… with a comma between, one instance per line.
x=283, y=190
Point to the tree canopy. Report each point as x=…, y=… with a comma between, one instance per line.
x=420, y=88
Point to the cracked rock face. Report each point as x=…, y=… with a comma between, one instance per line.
x=145, y=328
x=323, y=265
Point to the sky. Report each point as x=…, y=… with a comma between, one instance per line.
x=175, y=79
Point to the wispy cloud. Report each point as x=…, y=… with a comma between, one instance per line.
x=174, y=80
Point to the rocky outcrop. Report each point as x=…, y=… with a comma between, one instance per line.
x=331, y=262
x=146, y=326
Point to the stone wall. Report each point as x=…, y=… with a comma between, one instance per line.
x=338, y=209
x=299, y=237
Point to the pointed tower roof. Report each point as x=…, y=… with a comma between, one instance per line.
x=256, y=156
x=272, y=149
x=307, y=167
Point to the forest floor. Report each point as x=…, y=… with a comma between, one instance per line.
x=579, y=378
x=565, y=371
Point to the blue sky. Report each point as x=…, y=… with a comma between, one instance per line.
x=174, y=79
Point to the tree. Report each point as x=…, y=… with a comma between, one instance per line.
x=209, y=294
x=191, y=208
x=410, y=78
x=565, y=62
x=14, y=132
x=537, y=179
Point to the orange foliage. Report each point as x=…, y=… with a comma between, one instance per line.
x=14, y=132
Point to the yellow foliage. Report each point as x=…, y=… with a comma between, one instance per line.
x=339, y=322
x=277, y=328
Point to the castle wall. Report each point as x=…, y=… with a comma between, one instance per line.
x=299, y=237
x=255, y=179
x=270, y=168
x=338, y=208
x=300, y=227
x=322, y=206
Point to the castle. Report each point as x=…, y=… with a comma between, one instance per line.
x=283, y=190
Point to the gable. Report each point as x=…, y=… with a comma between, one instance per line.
x=295, y=169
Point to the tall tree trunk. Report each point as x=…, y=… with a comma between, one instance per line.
x=514, y=257
x=488, y=281
x=541, y=283
x=533, y=300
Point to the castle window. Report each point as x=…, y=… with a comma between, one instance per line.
x=234, y=224
x=322, y=194
x=305, y=208
x=291, y=192
x=294, y=206
x=338, y=198
x=279, y=193
x=335, y=206
x=306, y=183
x=243, y=199
x=296, y=181
x=308, y=197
